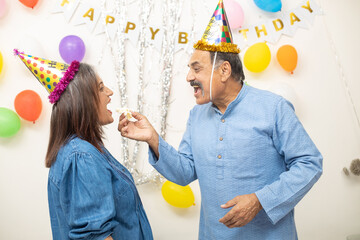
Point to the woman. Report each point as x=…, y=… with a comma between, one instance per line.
x=91, y=195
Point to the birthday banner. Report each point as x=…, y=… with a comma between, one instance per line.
x=269, y=30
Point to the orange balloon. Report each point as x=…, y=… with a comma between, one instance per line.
x=287, y=57
x=28, y=105
x=29, y=3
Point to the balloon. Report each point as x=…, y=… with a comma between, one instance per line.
x=235, y=14
x=1, y=61
x=257, y=57
x=3, y=8
x=29, y=3
x=269, y=5
x=72, y=48
x=28, y=105
x=177, y=196
x=9, y=122
x=287, y=57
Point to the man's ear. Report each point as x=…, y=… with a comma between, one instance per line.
x=225, y=71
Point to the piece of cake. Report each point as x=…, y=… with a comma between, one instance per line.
x=127, y=114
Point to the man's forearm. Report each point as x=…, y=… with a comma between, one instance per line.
x=154, y=143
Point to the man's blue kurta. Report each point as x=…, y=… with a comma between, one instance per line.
x=257, y=146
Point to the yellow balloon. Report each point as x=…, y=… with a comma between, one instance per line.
x=178, y=196
x=257, y=57
x=1, y=62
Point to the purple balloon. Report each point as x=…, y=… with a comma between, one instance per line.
x=72, y=48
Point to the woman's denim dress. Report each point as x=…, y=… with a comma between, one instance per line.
x=91, y=196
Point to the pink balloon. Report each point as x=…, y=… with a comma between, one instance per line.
x=3, y=8
x=235, y=13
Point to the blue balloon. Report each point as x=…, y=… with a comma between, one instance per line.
x=269, y=5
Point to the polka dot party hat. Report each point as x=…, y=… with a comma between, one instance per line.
x=217, y=36
x=54, y=76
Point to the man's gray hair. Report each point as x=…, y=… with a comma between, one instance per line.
x=235, y=63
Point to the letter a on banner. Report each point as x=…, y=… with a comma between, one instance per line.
x=87, y=14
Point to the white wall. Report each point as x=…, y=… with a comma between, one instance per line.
x=327, y=49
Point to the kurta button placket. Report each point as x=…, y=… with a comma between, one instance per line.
x=220, y=148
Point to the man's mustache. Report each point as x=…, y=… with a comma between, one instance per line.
x=197, y=83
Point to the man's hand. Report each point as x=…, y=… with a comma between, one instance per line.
x=245, y=208
x=140, y=130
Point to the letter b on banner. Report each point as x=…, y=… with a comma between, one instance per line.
x=183, y=38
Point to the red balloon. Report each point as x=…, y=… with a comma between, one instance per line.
x=28, y=105
x=29, y=3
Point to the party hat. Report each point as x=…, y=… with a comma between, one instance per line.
x=217, y=36
x=54, y=76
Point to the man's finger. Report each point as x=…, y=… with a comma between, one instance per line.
x=136, y=115
x=123, y=123
x=124, y=131
x=230, y=203
x=238, y=223
x=234, y=221
x=122, y=116
x=227, y=217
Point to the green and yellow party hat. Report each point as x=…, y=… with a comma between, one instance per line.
x=217, y=36
x=54, y=76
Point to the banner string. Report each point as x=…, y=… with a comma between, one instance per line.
x=341, y=73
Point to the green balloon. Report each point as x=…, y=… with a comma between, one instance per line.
x=9, y=122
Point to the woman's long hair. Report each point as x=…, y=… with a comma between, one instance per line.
x=76, y=113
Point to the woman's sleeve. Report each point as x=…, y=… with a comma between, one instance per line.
x=86, y=197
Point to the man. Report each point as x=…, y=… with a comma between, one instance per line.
x=252, y=157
